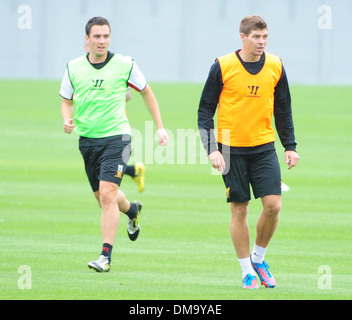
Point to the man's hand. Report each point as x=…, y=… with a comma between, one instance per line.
x=68, y=126
x=291, y=158
x=164, y=138
x=217, y=161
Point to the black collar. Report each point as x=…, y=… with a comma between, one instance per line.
x=101, y=65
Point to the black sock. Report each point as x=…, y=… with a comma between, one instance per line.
x=132, y=212
x=130, y=171
x=107, y=248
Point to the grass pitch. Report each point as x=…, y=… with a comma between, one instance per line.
x=49, y=220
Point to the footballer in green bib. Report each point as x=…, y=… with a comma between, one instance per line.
x=100, y=96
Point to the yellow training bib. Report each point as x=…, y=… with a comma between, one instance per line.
x=246, y=103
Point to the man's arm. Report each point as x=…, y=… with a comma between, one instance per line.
x=67, y=115
x=138, y=82
x=66, y=92
x=207, y=107
x=284, y=121
x=206, y=111
x=153, y=107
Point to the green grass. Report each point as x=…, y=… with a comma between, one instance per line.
x=49, y=219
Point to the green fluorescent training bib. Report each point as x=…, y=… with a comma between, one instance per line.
x=100, y=96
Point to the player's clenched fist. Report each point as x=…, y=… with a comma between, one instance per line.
x=68, y=126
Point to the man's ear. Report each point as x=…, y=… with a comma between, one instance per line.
x=242, y=36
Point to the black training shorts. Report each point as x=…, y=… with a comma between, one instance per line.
x=105, y=159
x=261, y=171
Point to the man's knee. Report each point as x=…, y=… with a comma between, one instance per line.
x=272, y=204
x=239, y=210
x=107, y=193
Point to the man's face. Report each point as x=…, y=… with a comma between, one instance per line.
x=255, y=42
x=98, y=41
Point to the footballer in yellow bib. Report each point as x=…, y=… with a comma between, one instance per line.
x=247, y=88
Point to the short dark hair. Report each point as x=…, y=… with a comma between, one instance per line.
x=250, y=23
x=100, y=21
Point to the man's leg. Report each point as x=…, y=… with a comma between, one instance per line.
x=131, y=209
x=268, y=219
x=137, y=172
x=239, y=228
x=110, y=216
x=123, y=204
x=240, y=237
x=266, y=227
